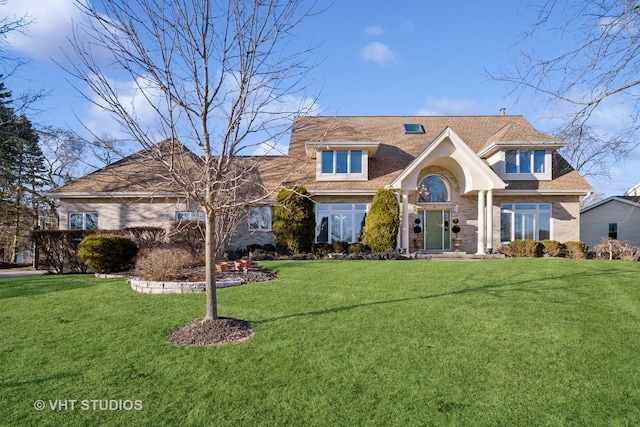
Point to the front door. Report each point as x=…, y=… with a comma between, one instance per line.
x=436, y=232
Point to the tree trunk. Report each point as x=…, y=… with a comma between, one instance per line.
x=210, y=266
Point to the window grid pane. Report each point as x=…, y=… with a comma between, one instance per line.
x=525, y=161
x=538, y=161
x=327, y=162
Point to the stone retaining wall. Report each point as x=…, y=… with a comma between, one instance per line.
x=149, y=287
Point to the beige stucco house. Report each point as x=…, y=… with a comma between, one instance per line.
x=499, y=177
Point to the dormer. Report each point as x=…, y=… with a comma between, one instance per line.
x=521, y=161
x=342, y=160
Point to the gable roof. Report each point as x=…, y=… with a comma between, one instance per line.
x=143, y=174
x=398, y=149
x=628, y=200
x=475, y=176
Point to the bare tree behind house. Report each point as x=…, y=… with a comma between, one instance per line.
x=220, y=77
x=592, y=66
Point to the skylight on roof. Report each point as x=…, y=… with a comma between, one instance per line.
x=413, y=128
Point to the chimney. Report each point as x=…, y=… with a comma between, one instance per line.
x=503, y=111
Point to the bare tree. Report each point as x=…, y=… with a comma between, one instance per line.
x=8, y=25
x=597, y=67
x=218, y=76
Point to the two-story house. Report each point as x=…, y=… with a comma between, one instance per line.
x=499, y=178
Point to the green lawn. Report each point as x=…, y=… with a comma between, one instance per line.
x=496, y=342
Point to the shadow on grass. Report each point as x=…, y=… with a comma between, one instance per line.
x=494, y=289
x=34, y=381
x=39, y=285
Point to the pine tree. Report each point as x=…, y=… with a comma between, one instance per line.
x=22, y=177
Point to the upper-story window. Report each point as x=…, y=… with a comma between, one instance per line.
x=525, y=161
x=341, y=162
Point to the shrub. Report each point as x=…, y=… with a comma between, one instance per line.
x=504, y=250
x=381, y=225
x=106, y=253
x=553, y=248
x=58, y=249
x=189, y=234
x=322, y=249
x=340, y=246
x=614, y=249
x=293, y=221
x=163, y=264
x=268, y=247
x=146, y=237
x=577, y=250
x=526, y=248
x=358, y=248
x=253, y=247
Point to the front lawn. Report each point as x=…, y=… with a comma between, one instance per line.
x=493, y=342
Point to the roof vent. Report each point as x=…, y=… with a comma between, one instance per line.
x=413, y=128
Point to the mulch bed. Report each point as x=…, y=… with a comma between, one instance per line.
x=222, y=330
x=219, y=331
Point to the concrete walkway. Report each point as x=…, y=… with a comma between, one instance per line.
x=11, y=273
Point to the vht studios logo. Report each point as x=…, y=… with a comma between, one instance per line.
x=88, y=405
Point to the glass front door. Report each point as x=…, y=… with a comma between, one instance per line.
x=436, y=231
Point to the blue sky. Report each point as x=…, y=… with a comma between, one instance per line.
x=413, y=57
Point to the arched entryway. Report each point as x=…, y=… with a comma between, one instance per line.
x=434, y=215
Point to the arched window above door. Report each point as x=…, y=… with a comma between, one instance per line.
x=433, y=189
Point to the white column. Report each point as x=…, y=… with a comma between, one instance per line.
x=482, y=226
x=404, y=244
x=489, y=220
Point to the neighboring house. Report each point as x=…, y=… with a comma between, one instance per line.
x=501, y=178
x=616, y=217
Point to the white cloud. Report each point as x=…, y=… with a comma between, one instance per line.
x=49, y=30
x=449, y=107
x=374, y=30
x=379, y=53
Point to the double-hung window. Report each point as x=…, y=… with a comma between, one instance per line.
x=260, y=218
x=83, y=220
x=525, y=161
x=525, y=221
x=341, y=162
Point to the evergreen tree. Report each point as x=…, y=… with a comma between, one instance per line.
x=381, y=224
x=22, y=177
x=293, y=221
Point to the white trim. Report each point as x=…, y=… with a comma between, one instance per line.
x=609, y=199
x=119, y=194
x=462, y=154
x=507, y=192
x=342, y=192
x=369, y=147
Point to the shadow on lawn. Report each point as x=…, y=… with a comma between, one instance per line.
x=494, y=289
x=34, y=381
x=39, y=285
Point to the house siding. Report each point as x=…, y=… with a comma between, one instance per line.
x=594, y=223
x=114, y=214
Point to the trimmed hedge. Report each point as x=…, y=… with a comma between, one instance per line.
x=107, y=253
x=554, y=248
x=526, y=248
